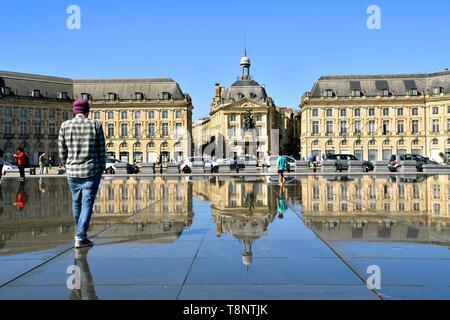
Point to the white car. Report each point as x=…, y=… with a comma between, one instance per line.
x=271, y=159
x=8, y=167
x=209, y=164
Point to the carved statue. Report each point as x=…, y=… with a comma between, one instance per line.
x=249, y=121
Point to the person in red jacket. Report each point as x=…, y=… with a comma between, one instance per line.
x=22, y=162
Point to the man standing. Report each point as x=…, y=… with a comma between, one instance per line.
x=82, y=150
x=42, y=164
x=22, y=162
x=282, y=163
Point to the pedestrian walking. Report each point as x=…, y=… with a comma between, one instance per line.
x=2, y=163
x=282, y=163
x=22, y=162
x=42, y=161
x=81, y=146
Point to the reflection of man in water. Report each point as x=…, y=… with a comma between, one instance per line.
x=21, y=198
x=281, y=201
x=87, y=288
x=41, y=185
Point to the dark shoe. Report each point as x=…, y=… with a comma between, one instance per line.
x=83, y=243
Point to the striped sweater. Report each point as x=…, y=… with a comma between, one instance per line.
x=81, y=146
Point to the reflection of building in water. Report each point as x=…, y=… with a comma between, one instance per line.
x=166, y=210
x=371, y=208
x=243, y=209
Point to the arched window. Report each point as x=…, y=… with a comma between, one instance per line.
x=343, y=142
x=137, y=145
x=151, y=144
x=253, y=95
x=85, y=96
x=315, y=142
x=36, y=93
x=112, y=96
x=240, y=95
x=434, y=141
x=357, y=142
x=138, y=96
x=329, y=142
x=6, y=91
x=166, y=96
x=415, y=142
x=386, y=142
x=123, y=145
x=372, y=142
x=110, y=145
x=177, y=145
x=63, y=95
x=164, y=145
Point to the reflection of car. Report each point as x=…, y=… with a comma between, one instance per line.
x=271, y=159
x=342, y=162
x=8, y=167
x=209, y=164
x=111, y=166
x=395, y=159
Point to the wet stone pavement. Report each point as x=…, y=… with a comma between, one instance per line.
x=230, y=238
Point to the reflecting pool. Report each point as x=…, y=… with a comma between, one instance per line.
x=230, y=238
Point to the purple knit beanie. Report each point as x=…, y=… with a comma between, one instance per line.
x=80, y=106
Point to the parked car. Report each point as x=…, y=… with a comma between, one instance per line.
x=239, y=161
x=209, y=164
x=9, y=167
x=271, y=159
x=342, y=162
x=395, y=159
x=111, y=166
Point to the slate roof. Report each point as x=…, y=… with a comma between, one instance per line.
x=397, y=84
x=250, y=89
x=22, y=84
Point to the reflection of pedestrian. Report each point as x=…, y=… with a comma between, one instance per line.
x=281, y=202
x=21, y=198
x=42, y=164
x=42, y=185
x=86, y=288
x=2, y=162
x=22, y=162
x=85, y=160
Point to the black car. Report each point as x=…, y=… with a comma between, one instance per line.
x=342, y=162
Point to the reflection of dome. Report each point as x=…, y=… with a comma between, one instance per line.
x=247, y=259
x=245, y=61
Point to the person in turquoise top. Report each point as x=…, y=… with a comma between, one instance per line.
x=281, y=203
x=282, y=163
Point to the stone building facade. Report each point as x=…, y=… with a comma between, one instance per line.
x=374, y=116
x=144, y=120
x=244, y=120
x=32, y=108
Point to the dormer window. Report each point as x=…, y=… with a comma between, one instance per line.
x=138, y=96
x=85, y=96
x=240, y=95
x=357, y=93
x=413, y=92
x=6, y=91
x=437, y=90
x=253, y=95
x=36, y=93
x=328, y=93
x=63, y=95
x=166, y=96
x=112, y=96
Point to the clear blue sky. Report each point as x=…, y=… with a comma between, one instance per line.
x=290, y=42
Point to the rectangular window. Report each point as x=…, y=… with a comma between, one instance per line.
x=315, y=127
x=151, y=129
x=357, y=125
x=137, y=130
x=151, y=114
x=124, y=130
x=8, y=128
x=52, y=129
x=110, y=115
x=232, y=117
x=232, y=131
x=124, y=115
x=178, y=114
x=96, y=115
x=435, y=126
x=178, y=129
x=343, y=112
x=415, y=111
x=315, y=112
x=448, y=125
x=329, y=112
x=415, y=126
x=386, y=127
x=399, y=111
x=110, y=130
x=372, y=128
x=23, y=128
x=137, y=115
x=385, y=111
x=373, y=154
x=24, y=112
x=51, y=114
x=435, y=110
x=329, y=127
x=165, y=130
x=259, y=117
x=400, y=126
x=343, y=127
x=357, y=112
x=7, y=111
x=258, y=130
x=165, y=114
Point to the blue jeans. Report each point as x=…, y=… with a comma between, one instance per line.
x=83, y=191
